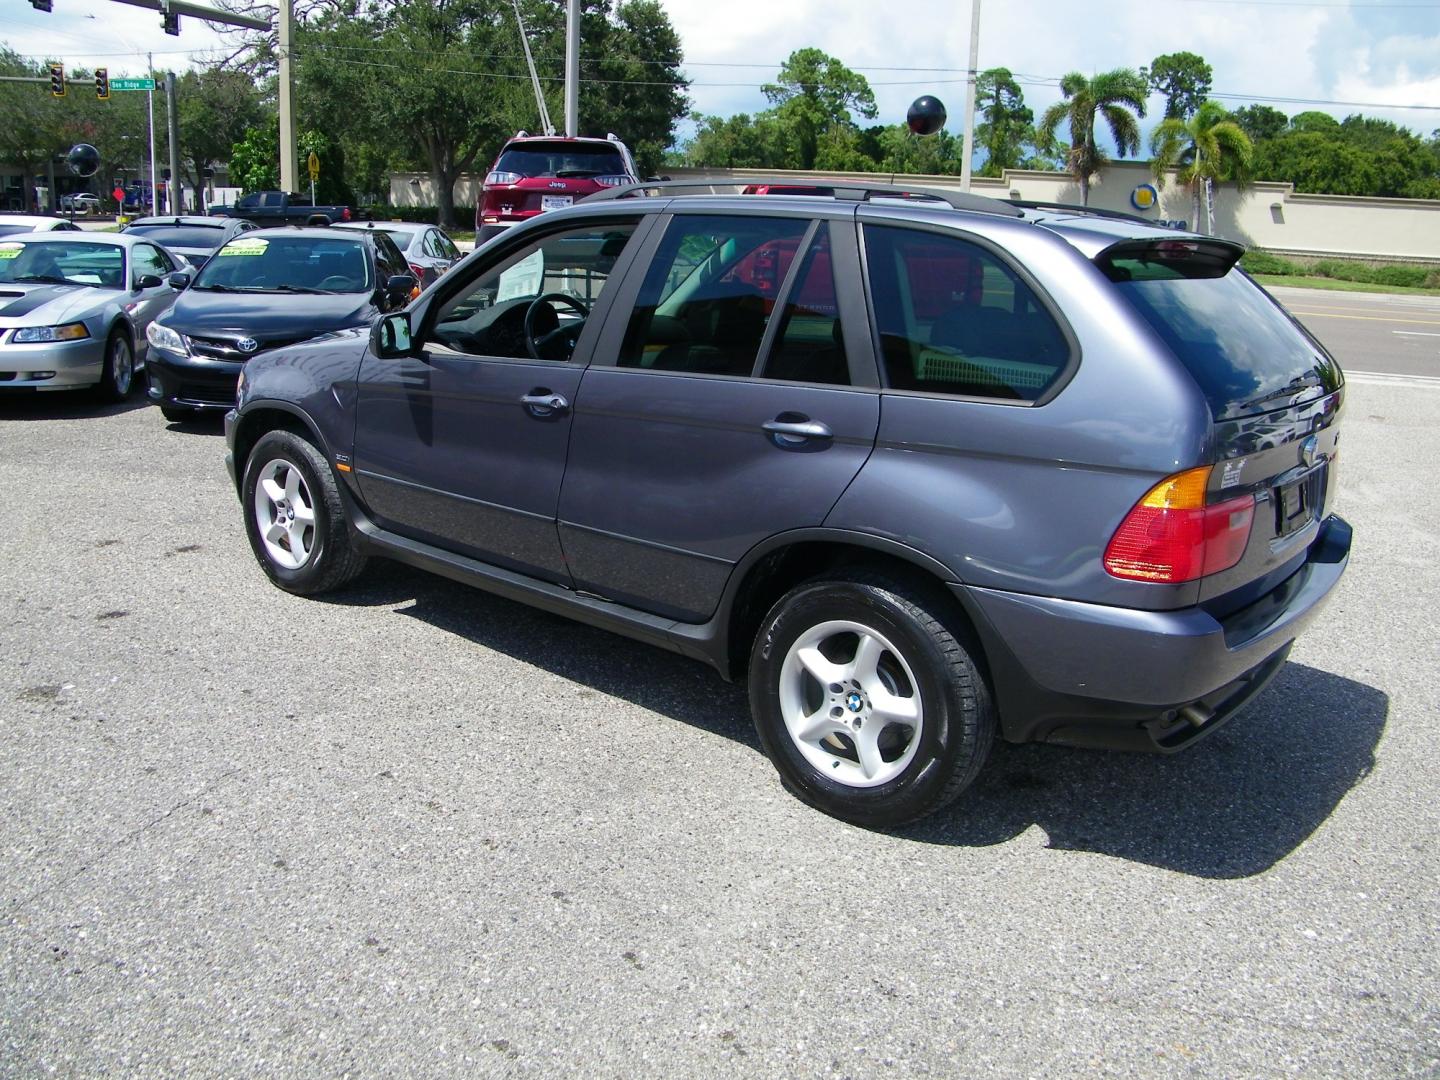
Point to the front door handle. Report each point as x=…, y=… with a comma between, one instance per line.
x=543, y=403
x=794, y=429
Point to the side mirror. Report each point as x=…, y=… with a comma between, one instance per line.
x=398, y=286
x=179, y=281
x=148, y=281
x=390, y=336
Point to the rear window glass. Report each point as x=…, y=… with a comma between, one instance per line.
x=184, y=236
x=954, y=319
x=259, y=263
x=562, y=159
x=1238, y=345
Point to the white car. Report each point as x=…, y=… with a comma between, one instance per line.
x=82, y=202
x=23, y=223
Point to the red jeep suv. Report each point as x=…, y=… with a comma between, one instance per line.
x=535, y=173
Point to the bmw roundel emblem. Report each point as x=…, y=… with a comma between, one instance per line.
x=854, y=702
x=247, y=344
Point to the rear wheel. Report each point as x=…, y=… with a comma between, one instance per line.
x=870, y=705
x=295, y=519
x=118, y=373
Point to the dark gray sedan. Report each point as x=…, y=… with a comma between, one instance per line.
x=196, y=238
x=426, y=247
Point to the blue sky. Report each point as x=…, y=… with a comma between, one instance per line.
x=1384, y=54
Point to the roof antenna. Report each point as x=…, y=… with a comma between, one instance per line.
x=545, y=123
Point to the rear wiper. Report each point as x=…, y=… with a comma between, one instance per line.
x=576, y=173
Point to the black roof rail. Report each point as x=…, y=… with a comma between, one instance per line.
x=846, y=190
x=1087, y=211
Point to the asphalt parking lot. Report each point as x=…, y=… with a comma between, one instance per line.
x=419, y=831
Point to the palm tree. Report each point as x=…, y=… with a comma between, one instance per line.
x=1119, y=96
x=1210, y=146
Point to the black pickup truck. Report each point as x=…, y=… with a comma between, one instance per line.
x=267, y=208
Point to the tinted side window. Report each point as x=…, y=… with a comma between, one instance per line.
x=709, y=293
x=954, y=319
x=808, y=346
x=144, y=259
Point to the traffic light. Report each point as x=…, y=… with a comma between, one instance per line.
x=57, y=80
x=102, y=83
x=170, y=21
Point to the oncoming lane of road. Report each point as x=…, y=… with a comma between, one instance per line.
x=1372, y=332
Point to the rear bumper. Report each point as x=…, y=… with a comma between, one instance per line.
x=1117, y=677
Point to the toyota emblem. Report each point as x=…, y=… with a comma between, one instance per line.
x=247, y=344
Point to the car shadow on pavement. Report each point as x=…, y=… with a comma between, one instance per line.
x=65, y=405
x=1231, y=807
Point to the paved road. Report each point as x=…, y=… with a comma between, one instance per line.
x=1372, y=332
x=418, y=831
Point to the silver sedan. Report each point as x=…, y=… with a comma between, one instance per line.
x=74, y=308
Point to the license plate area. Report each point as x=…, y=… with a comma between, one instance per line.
x=1299, y=502
x=556, y=202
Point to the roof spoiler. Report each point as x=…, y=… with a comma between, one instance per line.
x=841, y=190
x=1087, y=211
x=1187, y=256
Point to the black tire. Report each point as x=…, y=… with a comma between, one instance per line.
x=929, y=656
x=117, y=376
x=333, y=557
x=178, y=414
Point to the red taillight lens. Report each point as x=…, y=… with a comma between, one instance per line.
x=345, y=214
x=1172, y=536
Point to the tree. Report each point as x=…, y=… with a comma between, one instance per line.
x=216, y=108
x=1260, y=122
x=1118, y=96
x=814, y=93
x=1007, y=125
x=739, y=142
x=1206, y=148
x=1183, y=78
x=255, y=159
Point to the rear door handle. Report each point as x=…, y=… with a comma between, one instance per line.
x=543, y=403
x=794, y=428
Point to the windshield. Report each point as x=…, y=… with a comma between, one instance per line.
x=327, y=264
x=562, y=159
x=1240, y=347
x=182, y=236
x=37, y=262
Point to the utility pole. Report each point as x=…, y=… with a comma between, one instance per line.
x=173, y=188
x=150, y=112
x=572, y=68
x=289, y=177
x=968, y=146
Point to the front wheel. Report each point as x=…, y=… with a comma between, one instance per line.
x=295, y=519
x=870, y=705
x=118, y=372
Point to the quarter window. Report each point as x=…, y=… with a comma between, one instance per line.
x=954, y=319
x=709, y=294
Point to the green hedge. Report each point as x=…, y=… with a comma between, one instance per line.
x=1409, y=275
x=426, y=215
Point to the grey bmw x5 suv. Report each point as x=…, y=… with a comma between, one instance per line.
x=921, y=469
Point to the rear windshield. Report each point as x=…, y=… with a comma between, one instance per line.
x=562, y=159
x=257, y=263
x=184, y=236
x=1240, y=347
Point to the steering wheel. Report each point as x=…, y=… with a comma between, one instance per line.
x=538, y=344
x=341, y=282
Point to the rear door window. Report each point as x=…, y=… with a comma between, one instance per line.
x=953, y=318
x=709, y=293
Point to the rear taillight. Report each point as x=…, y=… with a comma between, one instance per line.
x=1172, y=536
x=496, y=177
x=612, y=181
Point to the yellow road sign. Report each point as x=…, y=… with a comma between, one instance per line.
x=314, y=164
